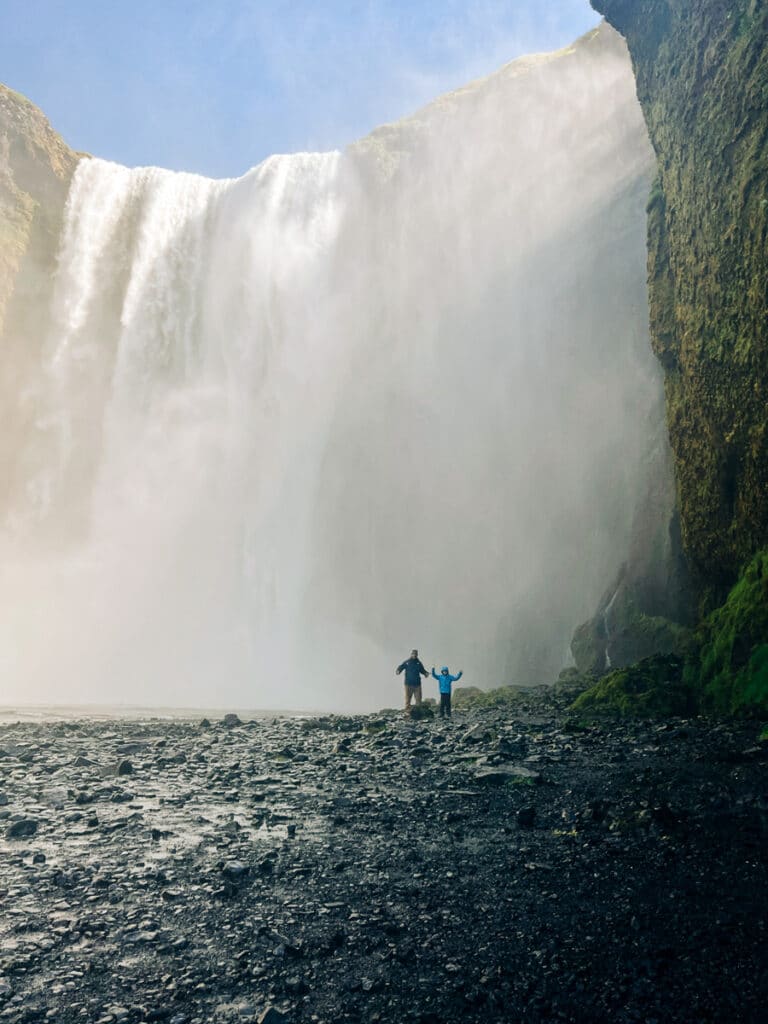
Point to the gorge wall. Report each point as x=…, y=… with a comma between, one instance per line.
x=702, y=80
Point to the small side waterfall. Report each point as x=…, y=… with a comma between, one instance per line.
x=291, y=425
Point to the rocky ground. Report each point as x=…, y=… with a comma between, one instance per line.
x=506, y=866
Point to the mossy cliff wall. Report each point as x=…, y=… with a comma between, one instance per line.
x=702, y=79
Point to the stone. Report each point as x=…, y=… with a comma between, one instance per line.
x=272, y=1016
x=231, y=720
x=235, y=871
x=22, y=829
x=125, y=768
x=478, y=733
x=422, y=713
x=526, y=817
x=296, y=986
x=501, y=776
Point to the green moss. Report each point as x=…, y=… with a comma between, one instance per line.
x=472, y=697
x=731, y=667
x=702, y=80
x=637, y=636
x=724, y=669
x=653, y=688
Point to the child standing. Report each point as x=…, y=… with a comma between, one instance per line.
x=445, y=681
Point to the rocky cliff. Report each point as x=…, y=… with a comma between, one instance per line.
x=36, y=167
x=702, y=80
x=35, y=170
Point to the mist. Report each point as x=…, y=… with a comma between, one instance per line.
x=291, y=425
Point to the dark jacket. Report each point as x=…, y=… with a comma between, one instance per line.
x=414, y=670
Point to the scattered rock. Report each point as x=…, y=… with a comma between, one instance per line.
x=526, y=817
x=272, y=1016
x=235, y=871
x=22, y=829
x=501, y=776
x=422, y=713
x=315, y=878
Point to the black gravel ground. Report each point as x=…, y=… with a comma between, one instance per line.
x=501, y=867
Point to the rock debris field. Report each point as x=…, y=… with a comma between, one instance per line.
x=507, y=866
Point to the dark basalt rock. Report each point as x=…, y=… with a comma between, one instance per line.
x=22, y=829
x=422, y=713
x=387, y=882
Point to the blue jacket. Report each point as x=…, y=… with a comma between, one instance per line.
x=414, y=670
x=445, y=679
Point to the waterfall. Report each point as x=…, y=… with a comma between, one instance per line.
x=291, y=425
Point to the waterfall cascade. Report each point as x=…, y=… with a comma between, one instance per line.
x=291, y=425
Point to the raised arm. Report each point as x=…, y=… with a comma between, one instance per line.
x=435, y=675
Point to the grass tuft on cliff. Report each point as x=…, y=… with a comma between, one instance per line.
x=724, y=672
x=731, y=669
x=653, y=688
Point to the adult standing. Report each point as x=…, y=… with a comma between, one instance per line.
x=414, y=670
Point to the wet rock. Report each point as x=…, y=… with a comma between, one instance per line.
x=296, y=986
x=422, y=713
x=125, y=768
x=478, y=733
x=272, y=1016
x=502, y=776
x=22, y=829
x=526, y=817
x=231, y=720
x=235, y=871
x=428, y=870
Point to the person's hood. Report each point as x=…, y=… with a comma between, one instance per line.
x=444, y=669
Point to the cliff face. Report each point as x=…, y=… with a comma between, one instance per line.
x=35, y=170
x=36, y=167
x=702, y=80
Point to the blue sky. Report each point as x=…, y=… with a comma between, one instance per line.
x=214, y=86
